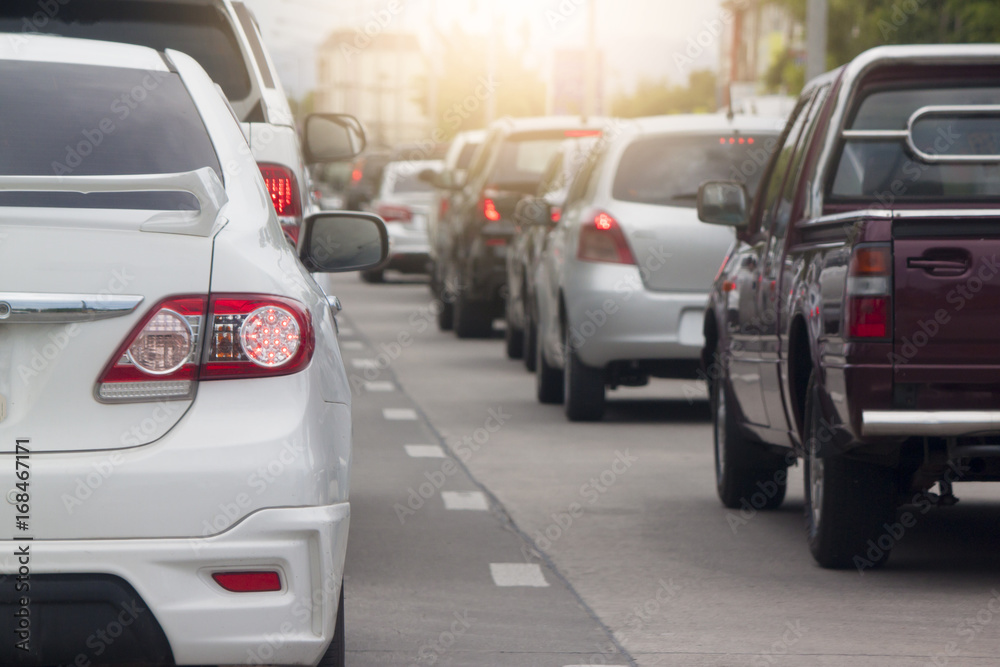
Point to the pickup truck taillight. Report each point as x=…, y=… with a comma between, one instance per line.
x=869, y=292
x=250, y=336
x=603, y=241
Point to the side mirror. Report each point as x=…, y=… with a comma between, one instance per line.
x=533, y=212
x=342, y=242
x=723, y=203
x=332, y=137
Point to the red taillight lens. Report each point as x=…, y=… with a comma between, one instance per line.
x=490, y=211
x=391, y=213
x=556, y=214
x=248, y=582
x=869, y=303
x=603, y=241
x=283, y=189
x=159, y=358
x=443, y=208
x=250, y=336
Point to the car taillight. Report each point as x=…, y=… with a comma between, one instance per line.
x=159, y=358
x=257, y=336
x=489, y=209
x=283, y=189
x=869, y=285
x=248, y=582
x=249, y=336
x=392, y=213
x=443, y=208
x=603, y=241
x=556, y=214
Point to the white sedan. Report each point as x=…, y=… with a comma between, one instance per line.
x=175, y=418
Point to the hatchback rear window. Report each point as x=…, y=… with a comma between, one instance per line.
x=76, y=120
x=886, y=170
x=524, y=158
x=465, y=157
x=202, y=32
x=667, y=170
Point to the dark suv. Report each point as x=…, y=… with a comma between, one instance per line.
x=479, y=225
x=856, y=323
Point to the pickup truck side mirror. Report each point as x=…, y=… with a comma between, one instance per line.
x=332, y=138
x=723, y=203
x=533, y=212
x=342, y=242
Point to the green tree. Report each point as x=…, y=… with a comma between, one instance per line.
x=655, y=98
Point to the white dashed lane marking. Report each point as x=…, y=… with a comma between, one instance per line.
x=424, y=451
x=464, y=500
x=518, y=574
x=374, y=387
x=364, y=364
x=400, y=414
x=352, y=345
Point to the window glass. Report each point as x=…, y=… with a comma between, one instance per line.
x=250, y=29
x=774, y=186
x=202, y=32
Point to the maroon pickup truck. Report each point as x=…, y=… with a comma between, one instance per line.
x=856, y=321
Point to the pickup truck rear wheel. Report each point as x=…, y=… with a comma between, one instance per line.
x=584, y=391
x=849, y=504
x=745, y=474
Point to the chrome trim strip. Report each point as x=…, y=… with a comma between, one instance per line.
x=874, y=135
x=929, y=423
x=29, y=308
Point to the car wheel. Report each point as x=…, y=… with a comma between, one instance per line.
x=548, y=380
x=434, y=284
x=336, y=655
x=530, y=339
x=849, y=504
x=584, y=388
x=376, y=276
x=745, y=474
x=513, y=337
x=472, y=318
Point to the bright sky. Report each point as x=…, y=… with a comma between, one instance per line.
x=641, y=38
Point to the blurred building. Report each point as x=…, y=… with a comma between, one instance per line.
x=761, y=36
x=379, y=79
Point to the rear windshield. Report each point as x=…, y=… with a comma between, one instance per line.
x=202, y=32
x=76, y=120
x=523, y=159
x=885, y=170
x=465, y=157
x=407, y=180
x=668, y=169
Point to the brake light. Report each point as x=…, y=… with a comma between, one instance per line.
x=248, y=582
x=603, y=241
x=250, y=336
x=556, y=214
x=573, y=134
x=356, y=175
x=391, y=213
x=443, y=208
x=869, y=292
x=490, y=211
x=284, y=191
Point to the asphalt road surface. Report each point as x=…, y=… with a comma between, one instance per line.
x=487, y=530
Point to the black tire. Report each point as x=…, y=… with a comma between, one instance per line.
x=745, y=474
x=373, y=277
x=530, y=339
x=473, y=319
x=849, y=504
x=584, y=388
x=434, y=284
x=513, y=337
x=336, y=655
x=548, y=380
x=446, y=312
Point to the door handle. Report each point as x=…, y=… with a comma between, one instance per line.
x=938, y=267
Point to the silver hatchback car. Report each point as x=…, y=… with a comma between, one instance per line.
x=623, y=282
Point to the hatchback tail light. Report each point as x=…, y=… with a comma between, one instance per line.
x=603, y=241
x=391, y=213
x=250, y=336
x=869, y=296
x=488, y=206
